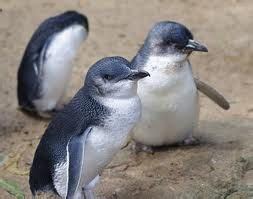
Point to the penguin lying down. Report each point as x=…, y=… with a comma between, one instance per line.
x=46, y=66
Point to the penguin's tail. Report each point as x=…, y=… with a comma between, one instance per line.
x=34, y=113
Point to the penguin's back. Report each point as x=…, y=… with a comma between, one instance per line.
x=30, y=71
x=81, y=112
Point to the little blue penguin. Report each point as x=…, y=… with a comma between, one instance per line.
x=46, y=66
x=84, y=137
x=170, y=102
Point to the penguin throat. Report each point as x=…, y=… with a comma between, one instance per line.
x=163, y=63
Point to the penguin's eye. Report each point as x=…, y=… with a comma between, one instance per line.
x=178, y=46
x=108, y=77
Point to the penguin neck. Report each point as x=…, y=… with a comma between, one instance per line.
x=140, y=59
x=116, y=102
x=146, y=58
x=151, y=62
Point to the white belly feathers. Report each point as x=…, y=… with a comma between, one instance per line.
x=115, y=131
x=170, y=105
x=57, y=68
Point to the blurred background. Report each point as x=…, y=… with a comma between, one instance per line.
x=221, y=167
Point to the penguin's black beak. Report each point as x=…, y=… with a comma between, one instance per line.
x=136, y=75
x=195, y=46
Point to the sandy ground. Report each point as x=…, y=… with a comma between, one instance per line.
x=221, y=167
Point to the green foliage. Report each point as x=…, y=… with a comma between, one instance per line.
x=12, y=188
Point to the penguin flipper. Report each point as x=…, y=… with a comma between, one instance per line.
x=30, y=73
x=213, y=94
x=76, y=148
x=28, y=81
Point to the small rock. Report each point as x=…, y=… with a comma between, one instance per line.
x=250, y=110
x=122, y=35
x=249, y=163
x=248, y=178
x=149, y=175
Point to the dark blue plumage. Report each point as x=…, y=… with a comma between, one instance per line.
x=29, y=82
x=76, y=148
x=166, y=37
x=82, y=111
x=64, y=140
x=168, y=33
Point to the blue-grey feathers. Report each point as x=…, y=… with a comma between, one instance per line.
x=29, y=82
x=82, y=111
x=76, y=149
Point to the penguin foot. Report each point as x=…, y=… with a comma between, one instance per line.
x=139, y=147
x=46, y=114
x=51, y=113
x=60, y=106
x=36, y=114
x=88, y=194
x=191, y=141
x=126, y=145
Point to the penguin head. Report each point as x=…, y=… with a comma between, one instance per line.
x=172, y=39
x=71, y=17
x=112, y=77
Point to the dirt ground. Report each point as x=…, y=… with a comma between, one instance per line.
x=221, y=167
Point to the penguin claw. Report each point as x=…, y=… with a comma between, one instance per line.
x=36, y=114
x=46, y=114
x=50, y=114
x=139, y=147
x=60, y=106
x=114, y=195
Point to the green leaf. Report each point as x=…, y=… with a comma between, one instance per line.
x=2, y=159
x=12, y=188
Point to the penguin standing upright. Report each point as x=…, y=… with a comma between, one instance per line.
x=46, y=66
x=84, y=137
x=169, y=97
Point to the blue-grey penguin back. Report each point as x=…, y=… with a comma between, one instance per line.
x=29, y=80
x=82, y=111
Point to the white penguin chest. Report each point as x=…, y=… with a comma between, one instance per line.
x=104, y=142
x=168, y=83
x=169, y=103
x=57, y=66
